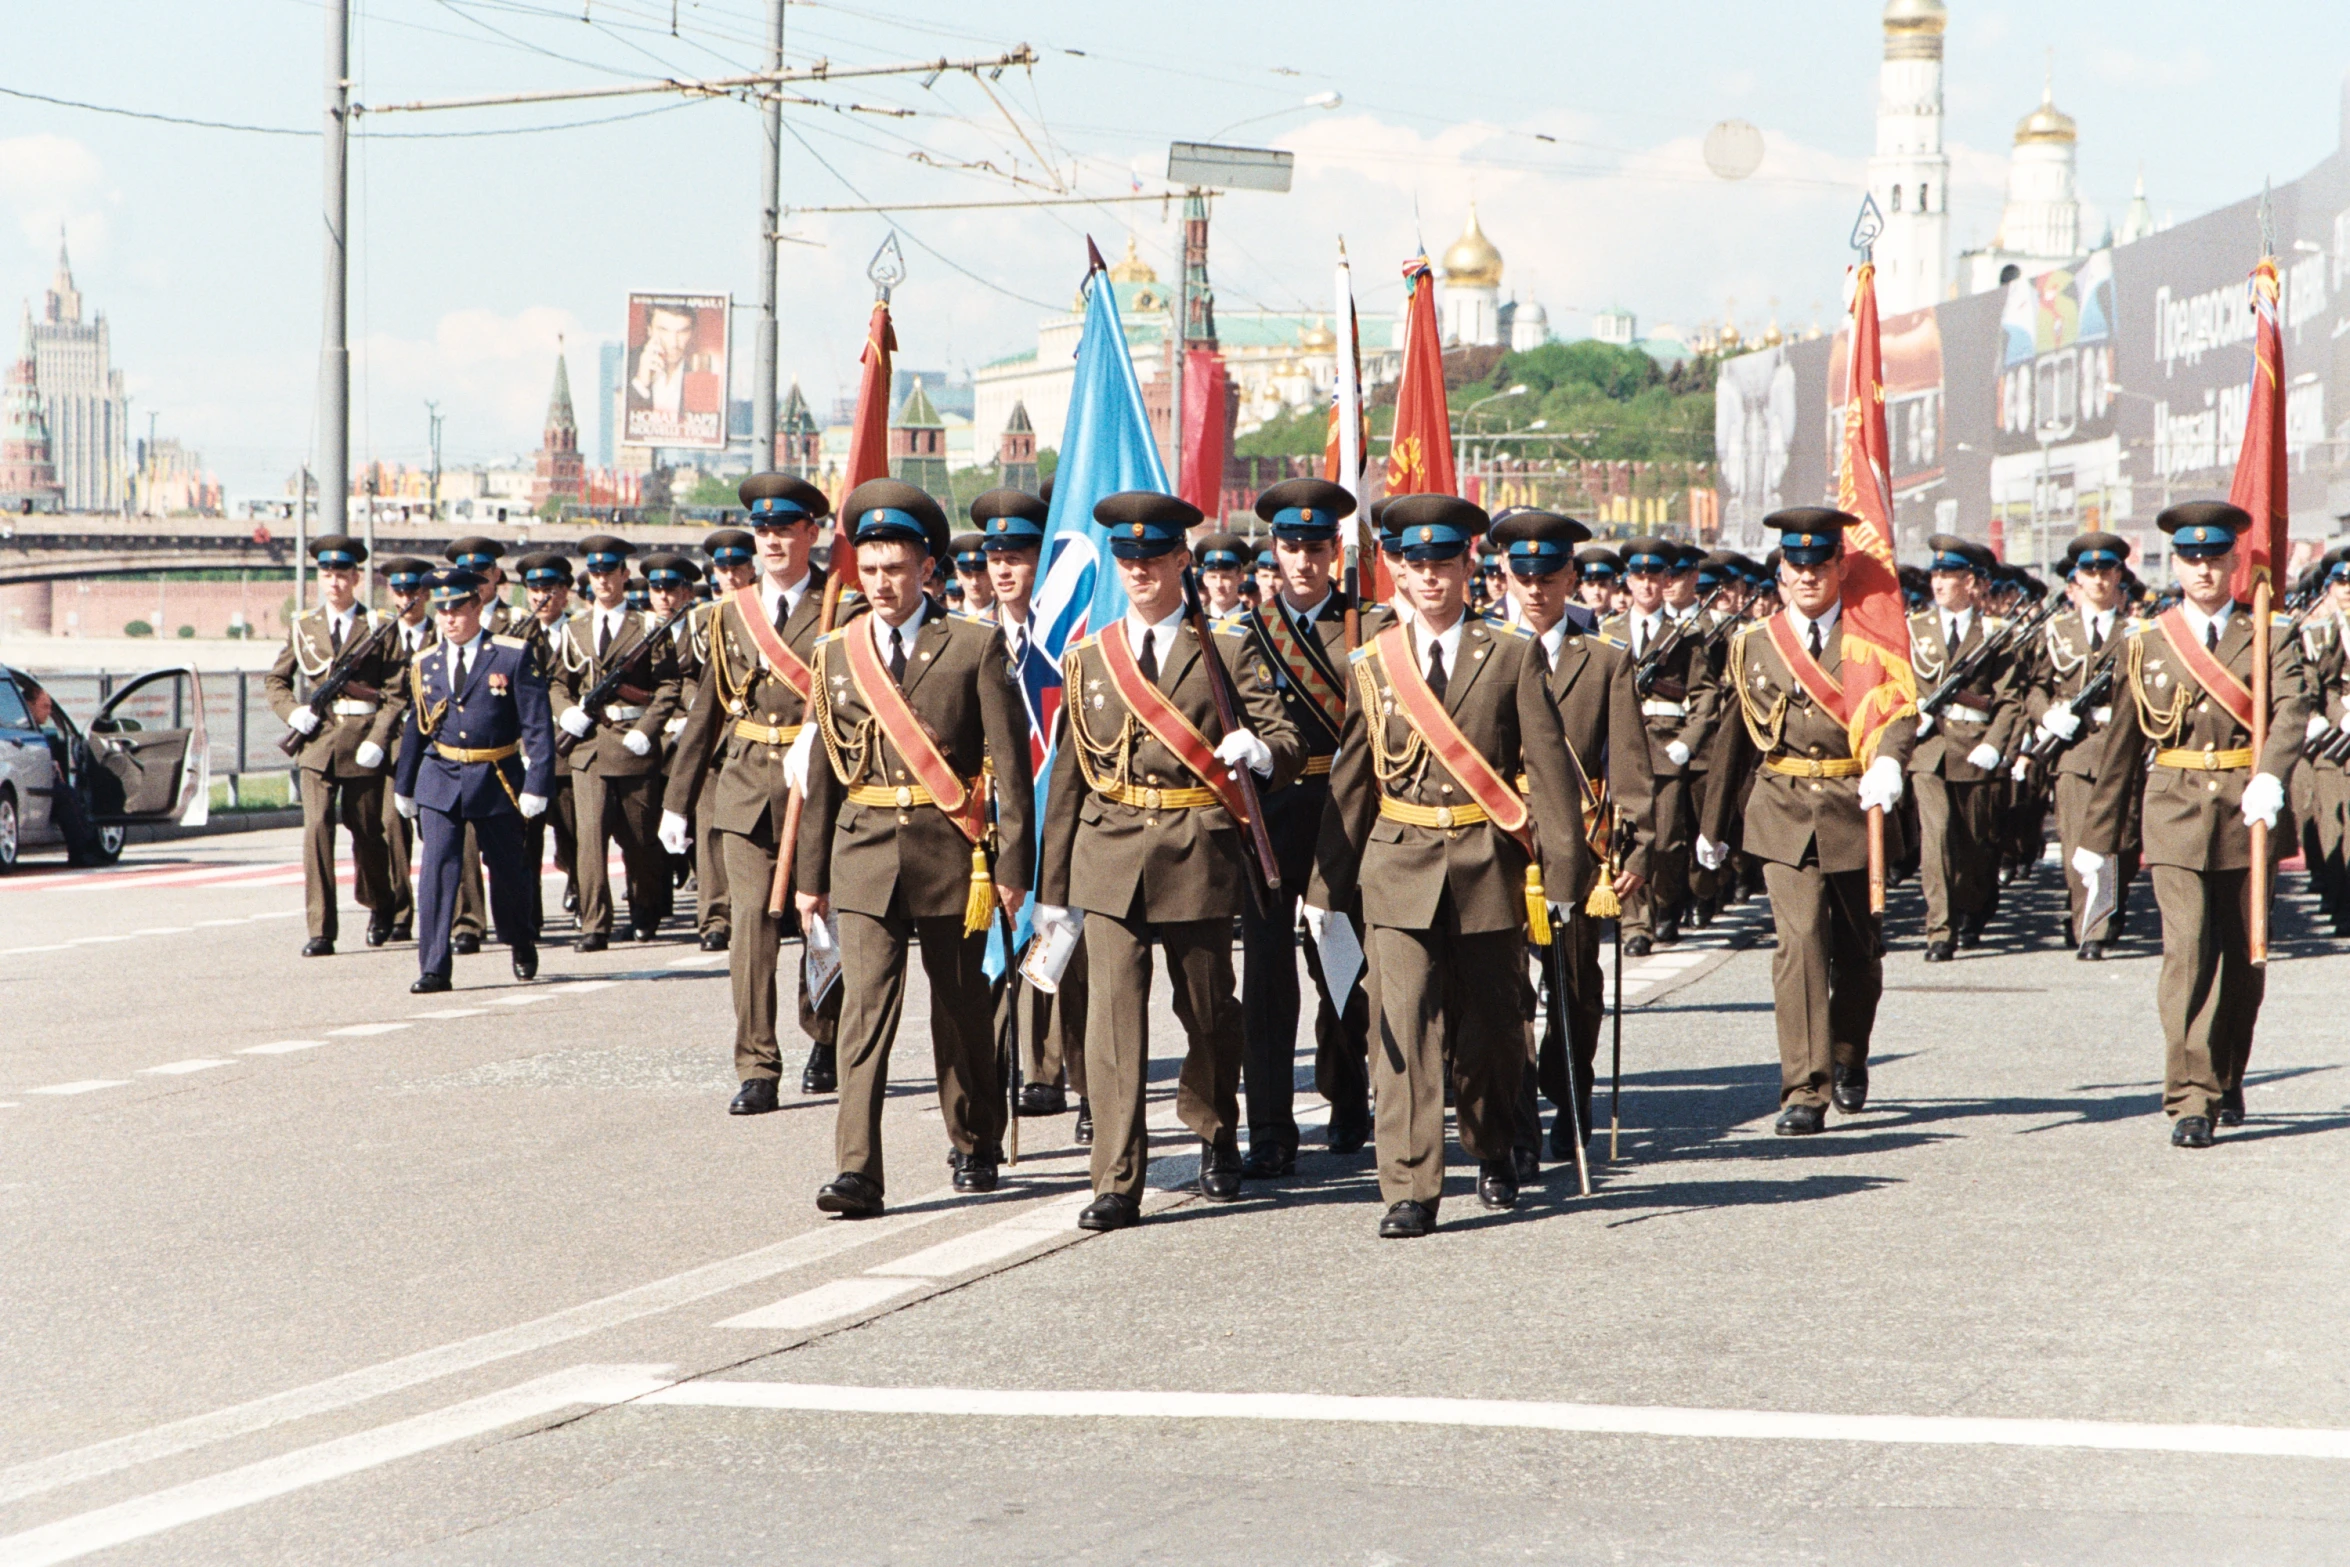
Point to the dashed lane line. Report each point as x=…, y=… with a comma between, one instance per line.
x=366, y=1030
x=88, y=1085
x=182, y=1068
x=282, y=1047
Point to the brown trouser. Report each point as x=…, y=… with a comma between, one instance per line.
x=557, y=818
x=1118, y=1039
x=358, y=803
x=1825, y=977
x=2072, y=820
x=1958, y=853
x=1668, y=857
x=750, y=964
x=399, y=856
x=2329, y=817
x=1053, y=1043
x=627, y=811
x=711, y=908
x=962, y=1038
x=2209, y=993
x=1427, y=984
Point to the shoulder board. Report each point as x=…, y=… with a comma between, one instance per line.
x=1502, y=628
x=969, y=618
x=1085, y=641
x=516, y=643
x=2280, y=620
x=830, y=636
x=1357, y=655
x=1615, y=642
x=2137, y=628
x=1233, y=624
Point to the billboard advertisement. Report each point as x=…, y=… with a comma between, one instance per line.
x=675, y=393
x=2088, y=396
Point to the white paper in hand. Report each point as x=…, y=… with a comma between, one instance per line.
x=1342, y=957
x=2100, y=892
x=822, y=958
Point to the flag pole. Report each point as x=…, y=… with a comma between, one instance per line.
x=2256, y=917
x=1865, y=230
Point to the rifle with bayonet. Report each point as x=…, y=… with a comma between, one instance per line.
x=329, y=689
x=1650, y=667
x=618, y=665
x=1964, y=668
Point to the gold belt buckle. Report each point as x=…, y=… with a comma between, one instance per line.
x=905, y=797
x=2211, y=758
x=1444, y=816
x=1150, y=799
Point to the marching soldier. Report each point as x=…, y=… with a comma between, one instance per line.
x=341, y=766
x=1224, y=569
x=546, y=582
x=1590, y=683
x=1300, y=634
x=673, y=583
x=1602, y=571
x=2187, y=682
x=404, y=577
x=734, y=564
x=477, y=750
x=918, y=719
x=970, y=574
x=1677, y=699
x=480, y=555
x=2329, y=700
x=2079, y=648
x=1143, y=846
x=1807, y=822
x=734, y=750
x=1428, y=827
x=616, y=765
x=1955, y=765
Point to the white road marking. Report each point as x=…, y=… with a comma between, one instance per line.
x=825, y=1303
x=164, y=930
x=697, y=960
x=522, y=998
x=365, y=1030
x=282, y=1047
x=446, y=1012
x=582, y=987
x=180, y=1068
x=145, y=1516
x=963, y=1253
x=88, y=1085
x=1601, y=1419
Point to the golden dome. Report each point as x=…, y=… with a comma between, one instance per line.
x=1317, y=339
x=2047, y=123
x=1915, y=16
x=1471, y=260
x=1131, y=268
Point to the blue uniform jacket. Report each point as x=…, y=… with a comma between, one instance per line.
x=504, y=701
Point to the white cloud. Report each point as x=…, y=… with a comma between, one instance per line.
x=49, y=181
x=490, y=373
x=2131, y=69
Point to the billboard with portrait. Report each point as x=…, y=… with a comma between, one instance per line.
x=675, y=391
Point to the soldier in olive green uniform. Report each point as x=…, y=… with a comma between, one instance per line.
x=404, y=578
x=2078, y=650
x=1677, y=700
x=2187, y=691
x=1955, y=766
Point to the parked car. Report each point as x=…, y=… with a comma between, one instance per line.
x=144, y=758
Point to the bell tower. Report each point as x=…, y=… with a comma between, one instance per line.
x=1910, y=174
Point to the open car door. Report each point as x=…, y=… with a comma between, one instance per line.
x=151, y=756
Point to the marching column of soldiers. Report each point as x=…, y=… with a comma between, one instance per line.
x=1449, y=795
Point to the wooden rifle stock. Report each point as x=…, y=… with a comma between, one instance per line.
x=622, y=662
x=330, y=685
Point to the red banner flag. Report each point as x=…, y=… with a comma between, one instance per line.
x=1419, y=456
x=1879, y=684
x=2260, y=485
x=1207, y=395
x=869, y=436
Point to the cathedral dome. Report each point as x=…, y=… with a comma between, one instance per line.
x=1915, y=16
x=1131, y=268
x=1317, y=339
x=2047, y=123
x=1471, y=260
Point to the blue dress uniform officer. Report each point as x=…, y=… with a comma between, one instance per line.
x=478, y=751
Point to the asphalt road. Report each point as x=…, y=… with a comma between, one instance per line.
x=296, y=1267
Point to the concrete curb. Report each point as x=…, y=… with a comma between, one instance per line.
x=223, y=821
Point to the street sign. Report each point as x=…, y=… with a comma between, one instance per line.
x=1212, y=167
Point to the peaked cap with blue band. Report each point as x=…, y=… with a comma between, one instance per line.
x=1952, y=553
x=893, y=509
x=337, y=549
x=543, y=569
x=2199, y=529
x=1538, y=543
x=1145, y=523
x=1651, y=554
x=668, y=569
x=967, y=548
x=1010, y=519
x=731, y=547
x=1810, y=535
x=1597, y=560
x=475, y=553
x=454, y=585
x=1222, y=552
x=2096, y=549
x=1304, y=510
x=1434, y=527
x=605, y=552
x=782, y=497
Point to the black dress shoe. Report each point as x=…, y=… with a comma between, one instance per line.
x=318, y=947
x=2231, y=1107
x=850, y=1195
x=378, y=932
x=1801, y=1121
x=1638, y=946
x=976, y=1172
x=713, y=941
x=465, y=944
x=526, y=963
x=1562, y=1138
x=1851, y=1090
x=1668, y=929
x=571, y=900
x=623, y=933
x=591, y=942
x=1084, y=1131
x=1043, y=1099
x=1526, y=1165
x=403, y=930
x=1407, y=1221
x=1970, y=931
x=1938, y=952
x=1350, y=1128
x=1110, y=1211
x=429, y=985
x=1219, y=1172
x=2090, y=952
x=755, y=1097
x=1497, y=1185
x=2191, y=1131
x=645, y=932
x=821, y=1075
x=1269, y=1160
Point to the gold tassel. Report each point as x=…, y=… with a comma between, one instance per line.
x=1537, y=907
x=1603, y=904
x=979, y=908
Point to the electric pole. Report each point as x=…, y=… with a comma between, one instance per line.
x=334, y=391
x=763, y=354
x=432, y=416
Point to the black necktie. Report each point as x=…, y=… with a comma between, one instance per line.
x=2096, y=638
x=1954, y=636
x=603, y=637
x=1815, y=639
x=1148, y=663
x=2211, y=635
x=334, y=634
x=897, y=656
x=782, y=610
x=1438, y=680
x=1542, y=652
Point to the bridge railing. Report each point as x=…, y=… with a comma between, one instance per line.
x=243, y=731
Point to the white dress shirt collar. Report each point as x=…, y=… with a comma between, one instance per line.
x=2100, y=622
x=1161, y=633
x=1803, y=624
x=2201, y=623
x=770, y=596
x=1554, y=639
x=1961, y=619
x=1307, y=616
x=906, y=633
x=1449, y=640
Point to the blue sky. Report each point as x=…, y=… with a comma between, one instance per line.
x=1575, y=126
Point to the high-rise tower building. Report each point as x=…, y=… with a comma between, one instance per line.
x=2040, y=224
x=81, y=398
x=1910, y=174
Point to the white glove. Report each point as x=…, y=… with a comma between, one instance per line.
x=405, y=804
x=2317, y=725
x=2088, y=862
x=369, y=755
x=576, y=722
x=1316, y=919
x=673, y=832
x=2264, y=796
x=638, y=742
x=1677, y=754
x=2060, y=722
x=2021, y=770
x=1925, y=724
x=1049, y=917
x=533, y=806
x=1881, y=785
x=1711, y=854
x=303, y=720
x=1242, y=747
x=1985, y=756
x=795, y=760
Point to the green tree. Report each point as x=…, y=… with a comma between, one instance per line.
x=1295, y=432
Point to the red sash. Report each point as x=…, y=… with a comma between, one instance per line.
x=1825, y=688
x=1305, y=671
x=2212, y=675
x=957, y=801
x=1165, y=720
x=786, y=665
x=1464, y=761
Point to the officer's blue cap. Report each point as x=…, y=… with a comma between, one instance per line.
x=454, y=585
x=405, y=572
x=1145, y=523
x=882, y=509
x=1810, y=535
x=545, y=569
x=475, y=553
x=1010, y=519
x=603, y=552
x=782, y=498
x=969, y=552
x=1225, y=552
x=337, y=549
x=1304, y=510
x=1599, y=562
x=669, y=570
x=1651, y=554
x=2202, y=529
x=1536, y=542
x=730, y=547
x=1434, y=527
x=1266, y=562
x=2096, y=549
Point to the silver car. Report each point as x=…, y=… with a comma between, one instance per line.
x=145, y=757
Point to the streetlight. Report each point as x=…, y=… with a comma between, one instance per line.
x=1320, y=100
x=1459, y=451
